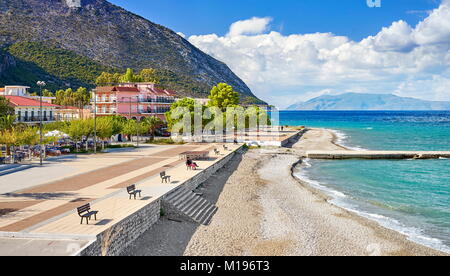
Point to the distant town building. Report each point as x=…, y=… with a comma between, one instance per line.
x=28, y=110
x=133, y=100
x=27, y=107
x=70, y=113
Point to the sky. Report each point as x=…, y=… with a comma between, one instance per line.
x=293, y=50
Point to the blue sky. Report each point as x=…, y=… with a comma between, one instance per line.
x=351, y=18
x=293, y=50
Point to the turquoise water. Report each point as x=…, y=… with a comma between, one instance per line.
x=411, y=196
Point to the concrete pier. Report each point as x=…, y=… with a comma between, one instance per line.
x=377, y=154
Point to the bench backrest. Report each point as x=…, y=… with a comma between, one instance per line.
x=83, y=209
x=131, y=188
x=162, y=174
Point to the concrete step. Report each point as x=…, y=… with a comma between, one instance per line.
x=192, y=205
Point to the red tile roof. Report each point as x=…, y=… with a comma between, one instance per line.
x=161, y=92
x=105, y=89
x=23, y=101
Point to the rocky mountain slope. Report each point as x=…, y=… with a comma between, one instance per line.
x=358, y=101
x=104, y=36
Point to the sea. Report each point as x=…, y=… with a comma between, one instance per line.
x=409, y=196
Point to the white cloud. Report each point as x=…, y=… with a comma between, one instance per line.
x=399, y=59
x=254, y=25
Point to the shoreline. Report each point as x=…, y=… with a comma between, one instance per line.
x=356, y=214
x=263, y=210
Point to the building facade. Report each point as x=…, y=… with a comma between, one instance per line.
x=28, y=110
x=133, y=101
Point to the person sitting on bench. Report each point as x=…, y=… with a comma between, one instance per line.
x=190, y=164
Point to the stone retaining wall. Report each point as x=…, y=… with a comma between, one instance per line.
x=115, y=239
x=112, y=241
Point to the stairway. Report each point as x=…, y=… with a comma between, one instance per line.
x=192, y=205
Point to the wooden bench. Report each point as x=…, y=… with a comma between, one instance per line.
x=164, y=177
x=131, y=190
x=85, y=212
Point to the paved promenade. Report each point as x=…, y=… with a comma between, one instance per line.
x=40, y=203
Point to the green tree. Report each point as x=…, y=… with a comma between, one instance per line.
x=149, y=75
x=130, y=128
x=129, y=76
x=7, y=122
x=105, y=129
x=47, y=93
x=182, y=108
x=80, y=128
x=106, y=78
x=153, y=122
x=5, y=107
x=222, y=96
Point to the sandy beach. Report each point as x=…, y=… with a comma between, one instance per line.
x=265, y=211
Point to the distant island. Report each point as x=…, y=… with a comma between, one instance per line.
x=360, y=101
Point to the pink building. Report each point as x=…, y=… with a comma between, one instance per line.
x=133, y=100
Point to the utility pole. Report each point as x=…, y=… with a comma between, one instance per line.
x=137, y=123
x=40, y=84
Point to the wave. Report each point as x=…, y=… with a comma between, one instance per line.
x=344, y=201
x=342, y=139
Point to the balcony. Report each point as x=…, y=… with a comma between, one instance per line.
x=105, y=100
x=162, y=100
x=34, y=119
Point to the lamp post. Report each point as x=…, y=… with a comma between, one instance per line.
x=95, y=120
x=40, y=84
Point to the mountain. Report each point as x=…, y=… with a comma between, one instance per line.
x=358, y=101
x=69, y=42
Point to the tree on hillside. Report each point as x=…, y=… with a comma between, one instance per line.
x=146, y=75
x=5, y=107
x=149, y=75
x=222, y=96
x=108, y=78
x=129, y=76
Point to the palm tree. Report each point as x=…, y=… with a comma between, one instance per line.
x=153, y=123
x=7, y=122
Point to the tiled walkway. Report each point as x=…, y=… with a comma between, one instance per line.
x=50, y=208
